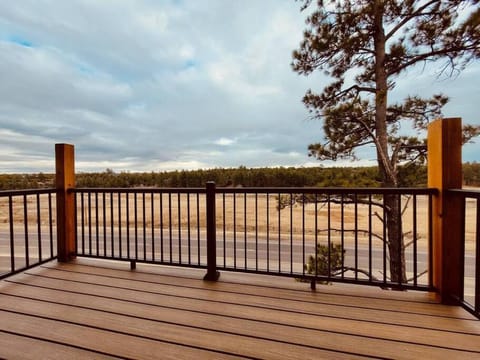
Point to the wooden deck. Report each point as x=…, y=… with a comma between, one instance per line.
x=93, y=309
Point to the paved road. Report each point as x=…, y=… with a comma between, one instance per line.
x=263, y=253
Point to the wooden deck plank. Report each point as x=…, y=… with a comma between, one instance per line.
x=116, y=344
x=185, y=315
x=333, y=327
x=316, y=305
x=256, y=345
x=115, y=324
x=231, y=325
x=34, y=349
x=416, y=302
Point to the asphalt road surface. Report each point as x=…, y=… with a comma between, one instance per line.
x=261, y=253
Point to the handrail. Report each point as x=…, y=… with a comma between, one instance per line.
x=4, y=193
x=264, y=190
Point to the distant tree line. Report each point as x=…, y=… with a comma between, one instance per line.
x=411, y=176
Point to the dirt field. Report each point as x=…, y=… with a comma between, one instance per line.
x=255, y=214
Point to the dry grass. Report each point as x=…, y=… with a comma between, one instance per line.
x=241, y=213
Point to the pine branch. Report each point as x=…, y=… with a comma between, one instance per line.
x=414, y=15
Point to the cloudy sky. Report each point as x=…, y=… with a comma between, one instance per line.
x=173, y=84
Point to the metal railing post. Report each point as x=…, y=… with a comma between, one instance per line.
x=212, y=273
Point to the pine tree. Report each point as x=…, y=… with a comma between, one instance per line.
x=364, y=46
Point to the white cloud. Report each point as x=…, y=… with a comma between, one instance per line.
x=225, y=141
x=147, y=85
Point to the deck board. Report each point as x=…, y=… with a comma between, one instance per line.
x=153, y=310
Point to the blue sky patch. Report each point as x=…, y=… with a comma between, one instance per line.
x=19, y=40
x=189, y=64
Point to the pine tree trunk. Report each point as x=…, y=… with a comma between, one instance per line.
x=394, y=239
x=388, y=171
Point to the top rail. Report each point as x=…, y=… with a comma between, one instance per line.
x=142, y=190
x=470, y=193
x=5, y=193
x=266, y=190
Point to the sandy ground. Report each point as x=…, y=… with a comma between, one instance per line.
x=254, y=215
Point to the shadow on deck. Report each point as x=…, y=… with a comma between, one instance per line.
x=98, y=309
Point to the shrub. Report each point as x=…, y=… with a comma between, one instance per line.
x=323, y=266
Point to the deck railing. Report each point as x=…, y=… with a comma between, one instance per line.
x=262, y=230
x=470, y=297
x=310, y=234
x=161, y=225
x=27, y=229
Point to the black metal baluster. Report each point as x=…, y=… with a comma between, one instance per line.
x=144, y=221
x=370, y=245
x=89, y=219
x=135, y=211
x=342, y=230
x=82, y=220
x=384, y=242
x=316, y=241
x=329, y=236
x=50, y=223
x=127, y=215
x=152, y=217
x=245, y=227
x=279, y=236
x=104, y=222
x=25, y=229
x=198, y=229
x=355, y=197
x=234, y=230
x=477, y=261
x=39, y=228
x=291, y=227
x=96, y=225
x=179, y=206
x=119, y=194
x=224, y=232
x=161, y=228
x=415, y=257
x=256, y=231
x=188, y=231
x=268, y=232
x=12, y=236
x=170, y=224
x=112, y=222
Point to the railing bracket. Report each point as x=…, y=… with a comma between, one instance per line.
x=212, y=276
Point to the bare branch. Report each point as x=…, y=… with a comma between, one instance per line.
x=405, y=206
x=418, y=275
x=348, y=268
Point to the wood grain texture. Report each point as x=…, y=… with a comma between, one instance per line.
x=88, y=307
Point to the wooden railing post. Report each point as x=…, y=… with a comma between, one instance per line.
x=212, y=273
x=445, y=172
x=65, y=180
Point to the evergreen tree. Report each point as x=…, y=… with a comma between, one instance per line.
x=364, y=45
